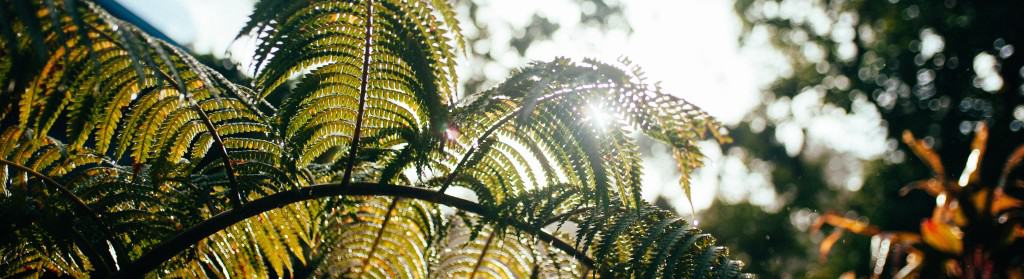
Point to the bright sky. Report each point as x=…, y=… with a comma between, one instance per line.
x=689, y=45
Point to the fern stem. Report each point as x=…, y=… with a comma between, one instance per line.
x=469, y=153
x=107, y=259
x=229, y=170
x=586, y=270
x=191, y=236
x=380, y=233
x=483, y=253
x=535, y=267
x=563, y=216
x=490, y=130
x=364, y=82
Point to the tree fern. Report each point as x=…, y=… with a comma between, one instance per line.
x=338, y=159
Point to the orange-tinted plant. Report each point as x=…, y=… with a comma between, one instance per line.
x=972, y=231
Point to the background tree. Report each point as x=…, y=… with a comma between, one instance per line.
x=594, y=14
x=935, y=68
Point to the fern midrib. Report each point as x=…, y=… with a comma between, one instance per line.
x=363, y=89
x=469, y=153
x=498, y=124
x=483, y=255
x=380, y=233
x=229, y=169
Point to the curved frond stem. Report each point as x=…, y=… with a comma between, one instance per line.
x=535, y=267
x=236, y=196
x=380, y=232
x=566, y=215
x=490, y=130
x=229, y=170
x=469, y=153
x=49, y=180
x=106, y=259
x=586, y=270
x=364, y=82
x=173, y=246
x=483, y=253
x=105, y=265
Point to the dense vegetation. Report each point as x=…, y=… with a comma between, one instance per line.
x=349, y=154
x=938, y=69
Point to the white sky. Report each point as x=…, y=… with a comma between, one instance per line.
x=690, y=46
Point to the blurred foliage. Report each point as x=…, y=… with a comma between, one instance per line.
x=600, y=14
x=935, y=68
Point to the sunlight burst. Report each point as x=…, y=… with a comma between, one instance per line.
x=599, y=116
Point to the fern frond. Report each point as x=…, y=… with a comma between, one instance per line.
x=387, y=63
x=155, y=156
x=582, y=117
x=492, y=254
x=35, y=171
x=271, y=243
x=642, y=242
x=399, y=251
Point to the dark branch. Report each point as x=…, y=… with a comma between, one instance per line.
x=171, y=247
